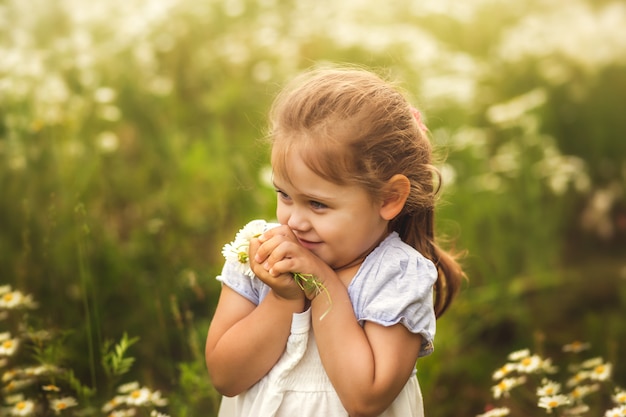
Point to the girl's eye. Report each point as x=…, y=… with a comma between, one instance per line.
x=317, y=205
x=282, y=195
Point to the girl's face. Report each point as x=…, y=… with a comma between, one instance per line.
x=338, y=223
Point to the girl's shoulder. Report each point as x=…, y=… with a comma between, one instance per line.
x=394, y=257
x=248, y=287
x=394, y=266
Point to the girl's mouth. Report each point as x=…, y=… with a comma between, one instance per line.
x=308, y=244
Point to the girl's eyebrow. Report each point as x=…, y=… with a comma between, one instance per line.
x=312, y=197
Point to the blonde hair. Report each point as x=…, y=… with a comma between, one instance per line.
x=356, y=128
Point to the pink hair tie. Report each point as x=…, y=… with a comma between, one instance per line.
x=418, y=117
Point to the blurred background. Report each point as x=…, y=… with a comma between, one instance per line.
x=131, y=150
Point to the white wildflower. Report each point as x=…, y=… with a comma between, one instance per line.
x=128, y=387
x=530, y=364
x=237, y=250
x=9, y=347
x=519, y=355
x=576, y=347
x=616, y=412
x=504, y=371
x=601, y=372
x=60, y=404
x=581, y=391
x=139, y=396
x=552, y=401
x=503, y=387
x=23, y=408
x=496, y=412
x=619, y=397
x=548, y=388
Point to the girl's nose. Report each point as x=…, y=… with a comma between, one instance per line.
x=298, y=220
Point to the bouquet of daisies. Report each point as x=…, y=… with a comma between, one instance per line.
x=237, y=253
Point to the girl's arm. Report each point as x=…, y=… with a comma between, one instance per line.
x=244, y=340
x=368, y=365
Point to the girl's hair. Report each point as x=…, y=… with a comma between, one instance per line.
x=357, y=129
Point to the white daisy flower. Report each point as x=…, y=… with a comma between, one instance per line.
x=504, y=371
x=592, y=363
x=616, y=412
x=237, y=250
x=576, y=347
x=601, y=372
x=548, y=388
x=578, y=378
x=530, y=364
x=60, y=404
x=114, y=403
x=9, y=347
x=519, y=354
x=128, y=387
x=552, y=401
x=15, y=299
x=23, y=408
x=581, y=391
x=157, y=400
x=496, y=412
x=619, y=397
x=503, y=387
x=139, y=396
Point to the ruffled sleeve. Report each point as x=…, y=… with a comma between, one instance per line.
x=395, y=285
x=251, y=288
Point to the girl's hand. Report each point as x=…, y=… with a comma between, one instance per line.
x=282, y=283
x=280, y=253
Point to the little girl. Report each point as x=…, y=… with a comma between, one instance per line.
x=356, y=194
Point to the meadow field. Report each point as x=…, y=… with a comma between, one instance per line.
x=132, y=149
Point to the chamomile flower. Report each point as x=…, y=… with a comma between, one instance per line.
x=548, y=388
x=619, y=397
x=139, y=396
x=578, y=378
x=601, y=372
x=581, y=391
x=503, y=387
x=503, y=371
x=616, y=412
x=237, y=250
x=496, y=412
x=157, y=400
x=253, y=229
x=114, y=403
x=519, y=354
x=530, y=364
x=552, y=401
x=9, y=347
x=155, y=413
x=23, y=408
x=15, y=299
x=60, y=404
x=592, y=363
x=128, y=387
x=576, y=347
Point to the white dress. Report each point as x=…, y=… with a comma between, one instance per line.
x=297, y=386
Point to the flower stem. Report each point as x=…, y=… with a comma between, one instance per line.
x=311, y=284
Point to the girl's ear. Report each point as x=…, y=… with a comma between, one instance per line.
x=397, y=191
